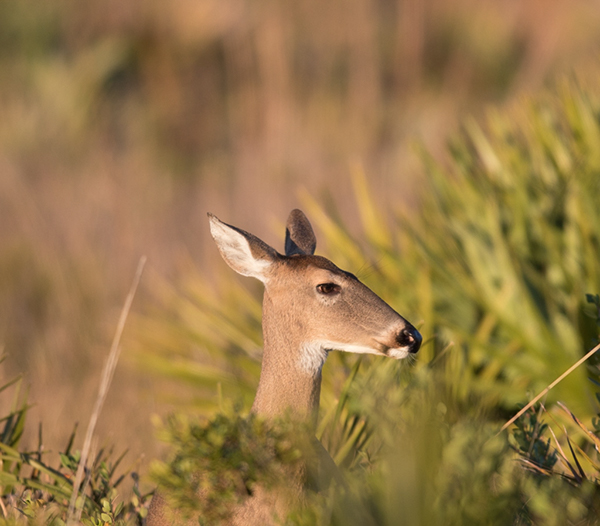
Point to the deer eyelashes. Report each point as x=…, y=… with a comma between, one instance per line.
x=328, y=289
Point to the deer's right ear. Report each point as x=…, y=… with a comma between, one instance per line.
x=243, y=252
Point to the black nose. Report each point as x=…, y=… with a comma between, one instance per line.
x=411, y=338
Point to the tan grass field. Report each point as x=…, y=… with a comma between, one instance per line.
x=123, y=122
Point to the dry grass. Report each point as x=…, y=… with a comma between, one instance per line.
x=124, y=122
x=108, y=373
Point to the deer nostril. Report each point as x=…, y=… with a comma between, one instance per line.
x=411, y=338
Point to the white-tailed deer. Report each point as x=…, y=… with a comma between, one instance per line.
x=310, y=307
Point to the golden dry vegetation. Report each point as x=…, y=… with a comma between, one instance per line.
x=123, y=122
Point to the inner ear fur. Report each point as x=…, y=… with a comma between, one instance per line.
x=243, y=252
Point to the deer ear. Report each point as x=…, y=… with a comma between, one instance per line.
x=243, y=252
x=299, y=235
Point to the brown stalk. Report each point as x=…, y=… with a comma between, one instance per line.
x=107, y=376
x=553, y=384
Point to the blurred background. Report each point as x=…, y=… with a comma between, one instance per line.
x=123, y=122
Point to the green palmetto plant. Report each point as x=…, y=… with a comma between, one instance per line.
x=510, y=229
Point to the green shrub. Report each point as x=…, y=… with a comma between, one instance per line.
x=225, y=459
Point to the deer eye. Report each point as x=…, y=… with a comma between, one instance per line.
x=328, y=289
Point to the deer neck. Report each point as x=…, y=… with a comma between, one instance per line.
x=290, y=378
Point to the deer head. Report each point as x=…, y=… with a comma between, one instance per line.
x=311, y=304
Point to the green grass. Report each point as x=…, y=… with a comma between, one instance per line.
x=36, y=485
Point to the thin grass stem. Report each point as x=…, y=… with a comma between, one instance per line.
x=557, y=381
x=107, y=376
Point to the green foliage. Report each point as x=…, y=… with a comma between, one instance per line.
x=32, y=490
x=425, y=464
x=511, y=234
x=528, y=433
x=594, y=299
x=225, y=460
x=204, y=335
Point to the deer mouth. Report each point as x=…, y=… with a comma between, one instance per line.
x=398, y=353
x=376, y=347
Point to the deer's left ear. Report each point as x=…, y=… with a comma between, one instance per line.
x=299, y=235
x=243, y=252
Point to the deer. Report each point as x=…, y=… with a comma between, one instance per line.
x=310, y=308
